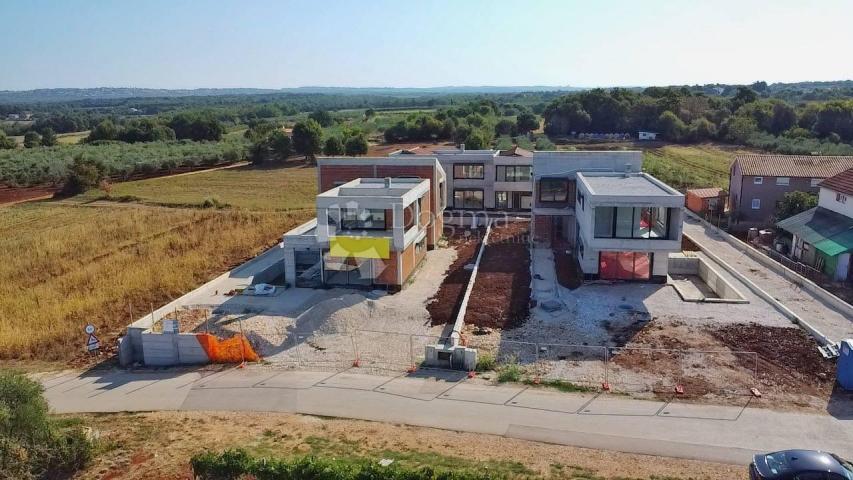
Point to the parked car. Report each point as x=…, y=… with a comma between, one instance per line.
x=800, y=465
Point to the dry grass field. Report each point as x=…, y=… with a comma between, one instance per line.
x=66, y=264
x=691, y=166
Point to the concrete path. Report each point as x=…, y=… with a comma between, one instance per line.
x=448, y=400
x=828, y=320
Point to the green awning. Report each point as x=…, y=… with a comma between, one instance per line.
x=828, y=231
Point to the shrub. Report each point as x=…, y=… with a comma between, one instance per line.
x=32, y=445
x=509, y=372
x=234, y=464
x=486, y=362
x=213, y=202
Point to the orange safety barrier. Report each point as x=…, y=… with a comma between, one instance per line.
x=233, y=350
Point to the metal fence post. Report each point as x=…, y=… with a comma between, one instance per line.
x=606, y=365
x=356, y=360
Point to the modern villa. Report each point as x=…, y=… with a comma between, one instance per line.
x=377, y=216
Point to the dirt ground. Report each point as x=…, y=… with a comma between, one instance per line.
x=160, y=444
x=501, y=294
x=444, y=305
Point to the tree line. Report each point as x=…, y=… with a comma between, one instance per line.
x=680, y=115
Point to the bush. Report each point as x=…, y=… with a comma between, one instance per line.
x=213, y=202
x=486, y=363
x=510, y=372
x=235, y=464
x=32, y=445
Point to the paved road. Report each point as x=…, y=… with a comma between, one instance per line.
x=722, y=433
x=828, y=320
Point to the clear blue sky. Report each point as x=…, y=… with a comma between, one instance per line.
x=403, y=43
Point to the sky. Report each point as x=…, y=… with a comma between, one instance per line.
x=404, y=43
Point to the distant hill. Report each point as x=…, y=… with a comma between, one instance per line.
x=110, y=93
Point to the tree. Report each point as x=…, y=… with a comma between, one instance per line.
x=369, y=113
x=333, y=146
x=478, y=140
x=106, y=130
x=32, y=140
x=526, y=122
x=743, y=96
x=307, y=138
x=324, y=118
x=739, y=128
x=6, y=143
x=356, y=145
x=83, y=173
x=671, y=127
x=784, y=117
x=702, y=129
x=794, y=203
x=505, y=127
x=567, y=116
x=197, y=126
x=48, y=137
x=280, y=144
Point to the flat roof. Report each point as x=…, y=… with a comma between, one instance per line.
x=633, y=185
x=376, y=187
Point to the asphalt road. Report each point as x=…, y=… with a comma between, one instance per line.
x=729, y=433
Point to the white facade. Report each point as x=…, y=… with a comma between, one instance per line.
x=836, y=201
x=637, y=191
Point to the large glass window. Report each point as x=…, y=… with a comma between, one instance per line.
x=604, y=222
x=470, y=199
x=553, y=190
x=631, y=222
x=362, y=219
x=513, y=173
x=468, y=170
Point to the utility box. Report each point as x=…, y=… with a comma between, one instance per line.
x=845, y=364
x=450, y=357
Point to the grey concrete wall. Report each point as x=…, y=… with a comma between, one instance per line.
x=168, y=349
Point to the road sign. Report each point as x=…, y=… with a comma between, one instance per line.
x=93, y=343
x=90, y=329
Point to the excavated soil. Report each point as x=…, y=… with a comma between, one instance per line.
x=444, y=305
x=501, y=294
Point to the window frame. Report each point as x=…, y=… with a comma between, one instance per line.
x=514, y=168
x=786, y=183
x=470, y=190
x=462, y=166
x=345, y=227
x=758, y=180
x=634, y=227
x=564, y=181
x=506, y=199
x=755, y=204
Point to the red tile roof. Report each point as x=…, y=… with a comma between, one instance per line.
x=809, y=166
x=710, y=192
x=843, y=182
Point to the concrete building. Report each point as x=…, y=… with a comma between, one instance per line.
x=822, y=237
x=627, y=225
x=758, y=182
x=555, y=178
x=369, y=232
x=482, y=180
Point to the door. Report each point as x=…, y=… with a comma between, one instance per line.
x=624, y=265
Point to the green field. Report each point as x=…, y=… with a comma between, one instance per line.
x=247, y=187
x=76, y=262
x=683, y=167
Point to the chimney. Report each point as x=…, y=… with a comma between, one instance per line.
x=387, y=182
x=462, y=147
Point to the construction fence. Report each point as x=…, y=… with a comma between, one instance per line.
x=633, y=369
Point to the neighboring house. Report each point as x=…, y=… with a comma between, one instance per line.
x=823, y=236
x=369, y=232
x=758, y=182
x=647, y=135
x=335, y=171
x=627, y=225
x=482, y=180
x=555, y=179
x=705, y=201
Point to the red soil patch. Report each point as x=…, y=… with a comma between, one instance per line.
x=501, y=294
x=788, y=357
x=14, y=195
x=444, y=305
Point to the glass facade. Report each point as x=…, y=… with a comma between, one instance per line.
x=468, y=199
x=513, y=173
x=631, y=222
x=553, y=190
x=361, y=219
x=468, y=170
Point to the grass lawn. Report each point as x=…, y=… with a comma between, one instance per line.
x=74, y=263
x=257, y=189
x=695, y=166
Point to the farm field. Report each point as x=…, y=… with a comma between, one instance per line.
x=76, y=263
x=681, y=166
x=257, y=189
